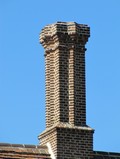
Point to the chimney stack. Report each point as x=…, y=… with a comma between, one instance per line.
x=66, y=132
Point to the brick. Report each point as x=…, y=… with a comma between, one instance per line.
x=66, y=129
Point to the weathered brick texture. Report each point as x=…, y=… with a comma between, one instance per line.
x=64, y=45
x=66, y=128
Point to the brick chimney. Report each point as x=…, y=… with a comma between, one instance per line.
x=66, y=134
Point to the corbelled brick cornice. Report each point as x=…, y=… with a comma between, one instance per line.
x=64, y=34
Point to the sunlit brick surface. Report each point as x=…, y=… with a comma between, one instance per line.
x=64, y=45
x=66, y=129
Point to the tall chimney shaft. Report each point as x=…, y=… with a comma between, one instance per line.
x=64, y=45
x=66, y=134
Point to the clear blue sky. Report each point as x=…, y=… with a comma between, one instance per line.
x=22, y=81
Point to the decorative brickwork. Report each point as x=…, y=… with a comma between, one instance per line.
x=66, y=129
x=64, y=45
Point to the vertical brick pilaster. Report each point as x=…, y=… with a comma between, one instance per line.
x=80, y=88
x=63, y=85
x=71, y=88
x=48, y=108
